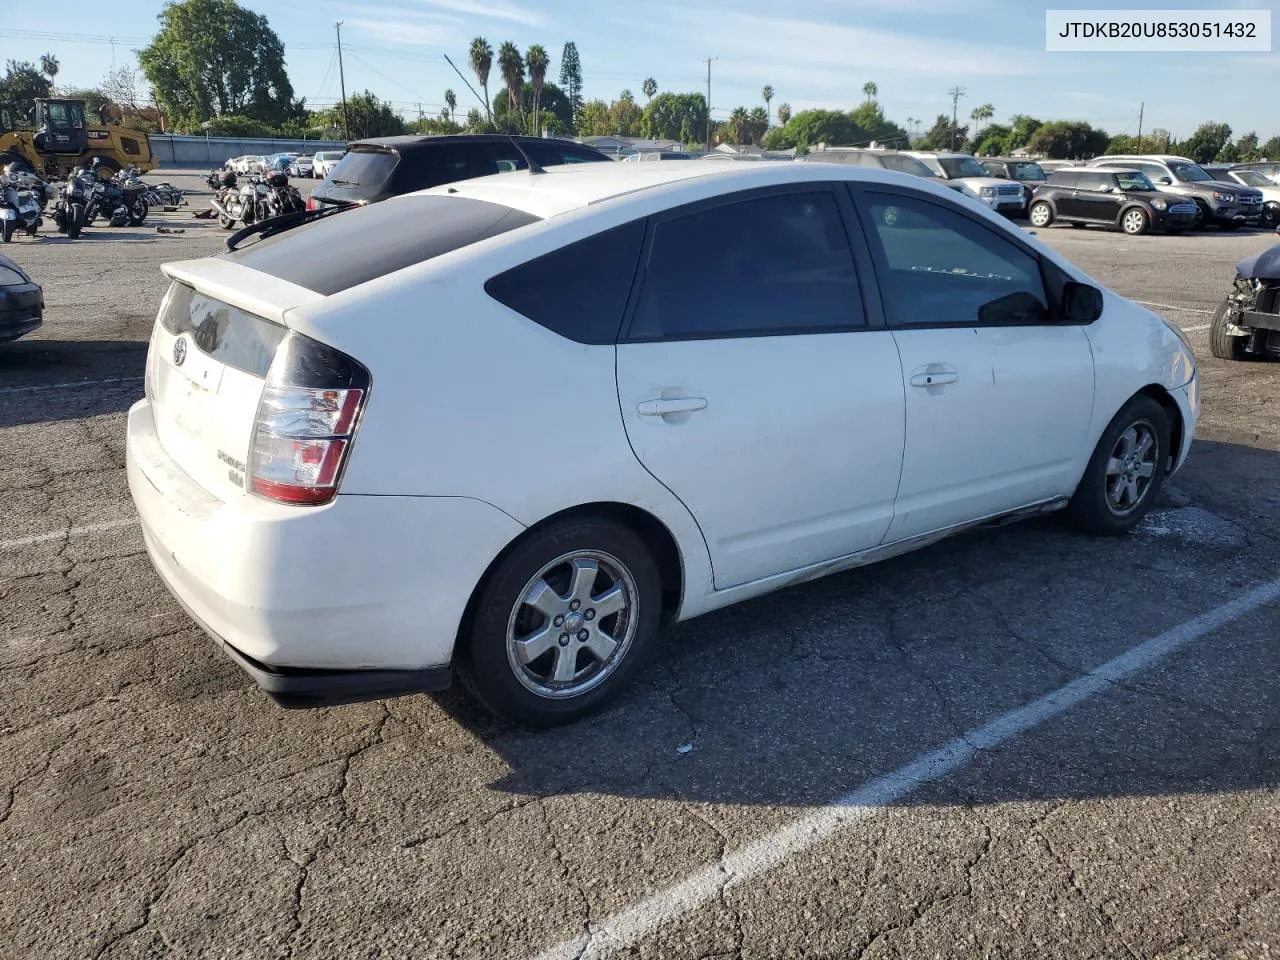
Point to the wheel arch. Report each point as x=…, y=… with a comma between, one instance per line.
x=1177, y=428
x=655, y=534
x=1132, y=205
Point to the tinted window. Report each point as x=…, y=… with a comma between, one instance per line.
x=368, y=169
x=993, y=168
x=447, y=163
x=961, y=167
x=1094, y=181
x=1064, y=178
x=766, y=265
x=1134, y=181
x=905, y=164
x=10, y=277
x=1027, y=171
x=1188, y=172
x=359, y=245
x=580, y=291
x=1154, y=171
x=549, y=153
x=939, y=267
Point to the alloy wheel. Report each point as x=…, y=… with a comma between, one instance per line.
x=1131, y=467
x=573, y=624
x=1039, y=215
x=1134, y=221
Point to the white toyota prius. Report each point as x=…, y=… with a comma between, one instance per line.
x=515, y=427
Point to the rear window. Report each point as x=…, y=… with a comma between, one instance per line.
x=353, y=247
x=226, y=333
x=553, y=154
x=579, y=291
x=368, y=169
x=1064, y=178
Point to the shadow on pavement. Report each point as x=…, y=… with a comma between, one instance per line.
x=795, y=698
x=49, y=380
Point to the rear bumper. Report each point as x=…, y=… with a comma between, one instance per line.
x=362, y=597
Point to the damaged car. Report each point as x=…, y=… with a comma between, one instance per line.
x=1246, y=324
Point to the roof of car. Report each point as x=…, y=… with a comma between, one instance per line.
x=949, y=154
x=1161, y=157
x=1010, y=159
x=408, y=142
x=560, y=189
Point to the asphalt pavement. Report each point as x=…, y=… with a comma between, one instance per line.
x=1021, y=742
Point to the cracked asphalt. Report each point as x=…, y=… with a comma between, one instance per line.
x=154, y=805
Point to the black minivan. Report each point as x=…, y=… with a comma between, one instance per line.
x=383, y=167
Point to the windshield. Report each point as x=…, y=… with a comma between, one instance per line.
x=1251, y=178
x=953, y=167
x=1133, y=180
x=1027, y=171
x=1188, y=172
x=903, y=164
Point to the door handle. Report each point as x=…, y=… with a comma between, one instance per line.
x=666, y=407
x=934, y=375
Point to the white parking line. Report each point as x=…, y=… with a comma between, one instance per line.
x=628, y=926
x=84, y=531
x=1198, y=326
x=70, y=385
x=1170, y=306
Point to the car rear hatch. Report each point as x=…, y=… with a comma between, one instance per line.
x=361, y=176
x=211, y=349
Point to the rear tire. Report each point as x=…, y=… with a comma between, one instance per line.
x=1223, y=345
x=75, y=220
x=506, y=626
x=138, y=213
x=1040, y=214
x=1114, y=494
x=6, y=230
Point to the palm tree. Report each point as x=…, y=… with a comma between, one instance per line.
x=767, y=95
x=536, y=60
x=481, y=61
x=49, y=67
x=981, y=114
x=757, y=125
x=736, y=126
x=784, y=113
x=451, y=101
x=870, y=89
x=511, y=65
x=649, y=87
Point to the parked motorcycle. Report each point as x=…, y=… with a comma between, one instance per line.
x=283, y=198
x=71, y=207
x=258, y=199
x=22, y=198
x=123, y=202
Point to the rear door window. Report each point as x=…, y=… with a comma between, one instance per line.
x=552, y=154
x=579, y=291
x=366, y=169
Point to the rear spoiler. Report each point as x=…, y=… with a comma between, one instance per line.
x=240, y=286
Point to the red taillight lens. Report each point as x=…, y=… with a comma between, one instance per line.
x=311, y=203
x=304, y=429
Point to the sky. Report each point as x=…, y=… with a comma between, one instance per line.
x=814, y=53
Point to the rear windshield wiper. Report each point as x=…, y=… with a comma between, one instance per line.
x=346, y=183
x=285, y=221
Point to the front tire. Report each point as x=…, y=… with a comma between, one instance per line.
x=1134, y=222
x=1223, y=345
x=562, y=623
x=76, y=220
x=1126, y=472
x=138, y=213
x=6, y=230
x=1040, y=214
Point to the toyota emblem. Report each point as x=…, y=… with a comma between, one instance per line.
x=179, y=351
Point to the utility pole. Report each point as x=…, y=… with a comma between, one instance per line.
x=342, y=84
x=708, y=62
x=955, y=93
x=1141, y=108
x=420, y=117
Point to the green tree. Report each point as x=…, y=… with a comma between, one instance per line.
x=980, y=115
x=938, y=137
x=215, y=58
x=1270, y=150
x=93, y=97
x=767, y=96
x=994, y=141
x=554, y=110
x=869, y=116
x=1122, y=143
x=734, y=130
x=535, y=59
x=49, y=67
x=480, y=57
x=593, y=119
x=511, y=66
x=1068, y=140
x=1230, y=153
x=784, y=113
x=234, y=126
x=676, y=116
x=1248, y=146
x=451, y=101
x=367, y=116
x=649, y=88
x=869, y=90
x=1204, y=145
x=757, y=125
x=1158, y=140
x=22, y=85
x=1023, y=127
x=625, y=116
x=810, y=127
x=476, y=123
x=571, y=79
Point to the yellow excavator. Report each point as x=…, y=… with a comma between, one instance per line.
x=59, y=139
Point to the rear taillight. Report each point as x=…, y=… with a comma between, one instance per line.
x=306, y=422
x=311, y=203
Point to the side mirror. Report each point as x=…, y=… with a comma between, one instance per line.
x=1165, y=180
x=1081, y=302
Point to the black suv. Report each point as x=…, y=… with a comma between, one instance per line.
x=1113, y=197
x=1027, y=172
x=383, y=167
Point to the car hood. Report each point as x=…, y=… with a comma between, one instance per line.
x=1261, y=266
